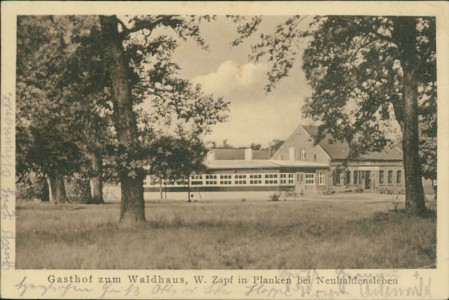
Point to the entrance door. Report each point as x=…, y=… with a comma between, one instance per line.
x=367, y=180
x=300, y=183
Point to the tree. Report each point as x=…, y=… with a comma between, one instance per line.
x=255, y=146
x=128, y=60
x=365, y=72
x=276, y=144
x=44, y=143
x=60, y=88
x=176, y=158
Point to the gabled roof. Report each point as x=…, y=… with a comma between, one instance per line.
x=338, y=150
x=335, y=149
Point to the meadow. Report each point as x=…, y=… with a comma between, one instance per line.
x=338, y=231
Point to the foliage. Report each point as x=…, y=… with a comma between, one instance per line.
x=43, y=140
x=276, y=144
x=359, y=106
x=428, y=155
x=366, y=74
x=164, y=103
x=176, y=158
x=62, y=106
x=32, y=187
x=65, y=106
x=78, y=189
x=255, y=146
x=275, y=197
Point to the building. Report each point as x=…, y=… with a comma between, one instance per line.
x=298, y=167
x=375, y=171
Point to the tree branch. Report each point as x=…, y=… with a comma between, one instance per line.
x=143, y=25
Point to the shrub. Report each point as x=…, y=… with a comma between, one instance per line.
x=327, y=191
x=78, y=189
x=275, y=197
x=32, y=187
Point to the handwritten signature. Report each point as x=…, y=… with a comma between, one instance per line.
x=7, y=213
x=6, y=236
x=7, y=156
x=24, y=286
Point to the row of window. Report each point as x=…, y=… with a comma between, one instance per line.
x=390, y=177
x=240, y=176
x=239, y=179
x=358, y=177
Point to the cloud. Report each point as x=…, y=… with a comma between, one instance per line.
x=231, y=77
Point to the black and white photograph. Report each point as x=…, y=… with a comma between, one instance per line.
x=201, y=150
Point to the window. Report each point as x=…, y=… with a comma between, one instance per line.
x=348, y=177
x=211, y=176
x=196, y=177
x=337, y=177
x=225, y=176
x=290, y=175
x=197, y=182
x=398, y=176
x=314, y=157
x=240, y=182
x=271, y=181
x=240, y=176
x=283, y=176
x=271, y=175
x=255, y=182
x=255, y=176
x=381, y=177
x=321, y=178
x=390, y=176
x=211, y=182
x=356, y=177
x=310, y=178
x=303, y=153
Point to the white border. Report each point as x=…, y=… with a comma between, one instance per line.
x=436, y=279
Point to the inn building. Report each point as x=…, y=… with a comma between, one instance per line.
x=297, y=167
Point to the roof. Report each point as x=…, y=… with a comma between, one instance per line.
x=338, y=150
x=228, y=153
x=238, y=153
x=261, y=164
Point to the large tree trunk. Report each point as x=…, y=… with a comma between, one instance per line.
x=96, y=182
x=132, y=202
x=405, y=33
x=57, y=187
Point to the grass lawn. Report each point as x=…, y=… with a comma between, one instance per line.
x=346, y=231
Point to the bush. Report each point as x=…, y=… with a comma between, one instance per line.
x=327, y=191
x=31, y=187
x=275, y=197
x=78, y=189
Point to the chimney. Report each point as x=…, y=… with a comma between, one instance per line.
x=248, y=154
x=291, y=153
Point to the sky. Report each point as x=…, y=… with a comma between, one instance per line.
x=255, y=117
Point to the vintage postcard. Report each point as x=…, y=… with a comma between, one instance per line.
x=224, y=150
